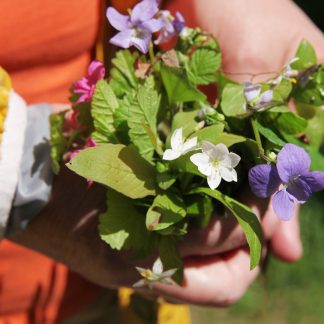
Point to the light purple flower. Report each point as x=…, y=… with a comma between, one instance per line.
x=172, y=26
x=137, y=28
x=87, y=85
x=253, y=96
x=290, y=180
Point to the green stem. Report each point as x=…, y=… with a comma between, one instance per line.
x=258, y=140
x=151, y=52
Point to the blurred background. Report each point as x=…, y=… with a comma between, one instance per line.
x=290, y=293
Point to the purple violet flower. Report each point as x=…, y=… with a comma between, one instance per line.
x=253, y=96
x=290, y=180
x=172, y=26
x=87, y=85
x=137, y=28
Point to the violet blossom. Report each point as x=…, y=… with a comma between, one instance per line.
x=289, y=180
x=87, y=85
x=253, y=96
x=137, y=28
x=172, y=26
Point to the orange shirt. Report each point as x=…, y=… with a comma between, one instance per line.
x=45, y=46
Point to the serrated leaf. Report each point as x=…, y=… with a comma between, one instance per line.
x=124, y=62
x=166, y=210
x=203, y=65
x=178, y=87
x=117, y=166
x=103, y=106
x=306, y=54
x=122, y=226
x=246, y=218
x=170, y=257
x=144, y=109
x=233, y=100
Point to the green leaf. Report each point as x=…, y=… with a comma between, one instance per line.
x=315, y=129
x=201, y=207
x=312, y=92
x=166, y=210
x=103, y=106
x=118, y=167
x=124, y=62
x=165, y=180
x=284, y=89
x=178, y=87
x=57, y=141
x=203, y=65
x=246, y=218
x=306, y=55
x=228, y=139
x=291, y=123
x=170, y=257
x=143, y=110
x=233, y=100
x=186, y=120
x=122, y=226
x=270, y=135
x=210, y=133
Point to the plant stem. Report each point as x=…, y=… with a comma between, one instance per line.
x=258, y=140
x=151, y=52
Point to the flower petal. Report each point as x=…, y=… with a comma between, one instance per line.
x=235, y=159
x=201, y=160
x=140, y=283
x=283, y=205
x=300, y=190
x=189, y=145
x=117, y=20
x=177, y=139
x=169, y=273
x=228, y=174
x=266, y=97
x=314, y=179
x=142, y=42
x=251, y=91
x=122, y=39
x=292, y=161
x=96, y=71
x=214, y=180
x=170, y=155
x=157, y=267
x=143, y=11
x=264, y=180
x=179, y=22
x=153, y=25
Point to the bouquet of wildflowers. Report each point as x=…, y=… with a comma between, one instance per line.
x=169, y=155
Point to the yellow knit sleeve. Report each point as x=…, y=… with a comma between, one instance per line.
x=5, y=86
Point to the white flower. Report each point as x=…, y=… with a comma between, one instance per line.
x=155, y=275
x=179, y=146
x=217, y=163
x=287, y=73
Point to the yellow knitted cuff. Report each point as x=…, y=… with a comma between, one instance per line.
x=5, y=86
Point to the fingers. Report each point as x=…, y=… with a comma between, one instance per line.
x=218, y=280
x=223, y=233
x=286, y=244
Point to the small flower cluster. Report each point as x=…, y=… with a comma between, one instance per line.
x=215, y=161
x=137, y=28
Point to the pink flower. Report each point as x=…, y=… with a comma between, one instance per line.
x=86, y=85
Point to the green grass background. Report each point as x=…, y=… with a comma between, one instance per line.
x=287, y=293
